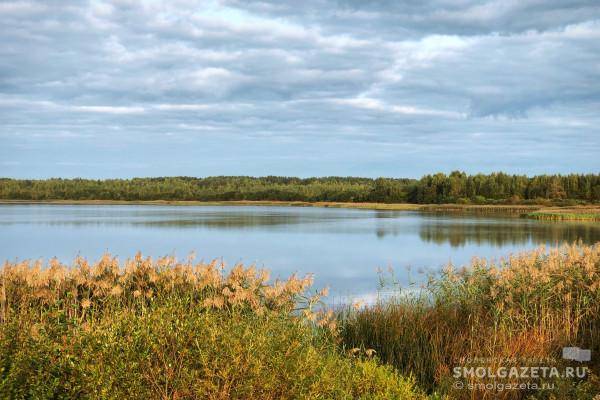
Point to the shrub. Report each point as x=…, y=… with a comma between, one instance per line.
x=479, y=199
x=167, y=330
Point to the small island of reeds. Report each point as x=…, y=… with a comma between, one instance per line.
x=568, y=213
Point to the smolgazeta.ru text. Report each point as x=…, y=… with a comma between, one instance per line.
x=520, y=372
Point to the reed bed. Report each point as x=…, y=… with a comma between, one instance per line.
x=564, y=216
x=521, y=310
x=83, y=288
x=581, y=213
x=162, y=329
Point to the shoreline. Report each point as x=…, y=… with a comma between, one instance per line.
x=322, y=204
x=534, y=211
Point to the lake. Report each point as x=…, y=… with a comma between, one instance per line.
x=342, y=247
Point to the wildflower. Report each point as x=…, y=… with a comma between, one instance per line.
x=86, y=303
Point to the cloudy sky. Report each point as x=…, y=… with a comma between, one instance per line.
x=307, y=88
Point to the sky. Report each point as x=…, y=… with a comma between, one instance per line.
x=122, y=88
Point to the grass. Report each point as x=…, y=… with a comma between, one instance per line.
x=161, y=329
x=524, y=308
x=560, y=214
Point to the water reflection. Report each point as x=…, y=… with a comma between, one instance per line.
x=513, y=233
x=454, y=229
x=229, y=222
x=175, y=217
x=342, y=247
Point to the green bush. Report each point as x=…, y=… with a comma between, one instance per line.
x=162, y=330
x=172, y=352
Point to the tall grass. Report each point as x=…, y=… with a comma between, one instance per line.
x=562, y=216
x=162, y=329
x=523, y=309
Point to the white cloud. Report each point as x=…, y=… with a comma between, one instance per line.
x=378, y=105
x=184, y=107
x=15, y=8
x=109, y=109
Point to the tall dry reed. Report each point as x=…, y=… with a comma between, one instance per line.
x=82, y=288
x=524, y=307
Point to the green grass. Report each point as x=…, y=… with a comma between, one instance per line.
x=174, y=352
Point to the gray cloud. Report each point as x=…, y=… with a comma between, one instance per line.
x=363, y=88
x=414, y=18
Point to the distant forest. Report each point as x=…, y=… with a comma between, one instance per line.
x=458, y=187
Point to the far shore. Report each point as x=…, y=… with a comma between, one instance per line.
x=528, y=210
x=372, y=206
x=324, y=204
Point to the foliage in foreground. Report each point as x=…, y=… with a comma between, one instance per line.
x=167, y=330
x=519, y=311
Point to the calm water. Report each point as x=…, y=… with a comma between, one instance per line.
x=343, y=248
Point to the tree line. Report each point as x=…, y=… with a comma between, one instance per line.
x=457, y=187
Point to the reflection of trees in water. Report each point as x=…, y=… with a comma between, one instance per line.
x=455, y=230
x=233, y=222
x=229, y=222
x=238, y=221
x=385, y=230
x=509, y=234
